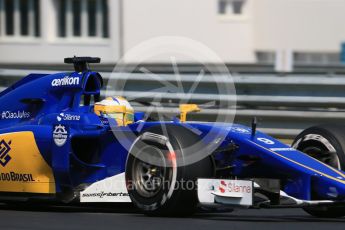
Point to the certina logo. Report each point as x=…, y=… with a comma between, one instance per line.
x=66, y=81
x=15, y=115
x=60, y=135
x=233, y=187
x=4, y=152
x=68, y=117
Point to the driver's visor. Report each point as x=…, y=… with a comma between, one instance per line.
x=114, y=115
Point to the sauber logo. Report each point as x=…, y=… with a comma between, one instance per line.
x=60, y=135
x=66, y=81
x=4, y=150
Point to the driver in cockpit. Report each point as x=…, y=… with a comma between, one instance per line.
x=117, y=109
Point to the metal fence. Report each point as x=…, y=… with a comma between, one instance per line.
x=283, y=104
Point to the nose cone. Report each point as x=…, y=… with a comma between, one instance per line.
x=329, y=188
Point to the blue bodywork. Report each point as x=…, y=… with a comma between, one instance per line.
x=45, y=97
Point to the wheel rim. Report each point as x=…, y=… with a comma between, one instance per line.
x=149, y=175
x=323, y=155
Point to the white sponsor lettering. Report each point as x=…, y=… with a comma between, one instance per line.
x=68, y=117
x=15, y=115
x=240, y=130
x=282, y=149
x=266, y=141
x=66, y=81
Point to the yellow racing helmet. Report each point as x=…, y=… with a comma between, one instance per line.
x=117, y=108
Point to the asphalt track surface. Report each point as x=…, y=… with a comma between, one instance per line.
x=61, y=217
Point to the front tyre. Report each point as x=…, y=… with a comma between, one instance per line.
x=159, y=181
x=325, y=143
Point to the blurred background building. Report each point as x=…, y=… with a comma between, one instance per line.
x=285, y=55
x=280, y=32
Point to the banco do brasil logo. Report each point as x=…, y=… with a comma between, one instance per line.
x=4, y=150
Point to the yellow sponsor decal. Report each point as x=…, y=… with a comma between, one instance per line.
x=22, y=167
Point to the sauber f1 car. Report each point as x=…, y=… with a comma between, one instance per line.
x=59, y=140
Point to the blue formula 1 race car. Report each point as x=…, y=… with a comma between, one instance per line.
x=59, y=140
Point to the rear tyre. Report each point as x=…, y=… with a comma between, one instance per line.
x=158, y=180
x=325, y=143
